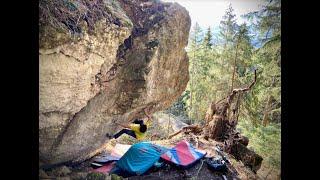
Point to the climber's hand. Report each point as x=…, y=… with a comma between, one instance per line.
x=114, y=121
x=147, y=111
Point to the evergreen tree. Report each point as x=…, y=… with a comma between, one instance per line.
x=228, y=27
x=194, y=59
x=207, y=41
x=243, y=55
x=215, y=69
x=268, y=21
x=228, y=30
x=266, y=98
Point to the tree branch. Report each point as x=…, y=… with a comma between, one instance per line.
x=235, y=91
x=249, y=87
x=194, y=128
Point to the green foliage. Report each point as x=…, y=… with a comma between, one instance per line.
x=115, y=177
x=179, y=108
x=266, y=141
x=215, y=69
x=228, y=26
x=96, y=176
x=211, y=67
x=207, y=41
x=268, y=59
x=268, y=20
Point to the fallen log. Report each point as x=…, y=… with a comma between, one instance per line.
x=248, y=157
x=244, y=140
x=219, y=127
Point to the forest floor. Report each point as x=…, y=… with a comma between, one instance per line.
x=236, y=170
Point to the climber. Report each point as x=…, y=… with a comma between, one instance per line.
x=136, y=129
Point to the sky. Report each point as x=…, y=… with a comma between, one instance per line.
x=209, y=12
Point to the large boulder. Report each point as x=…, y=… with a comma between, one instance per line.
x=101, y=62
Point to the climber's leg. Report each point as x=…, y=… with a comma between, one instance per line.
x=125, y=131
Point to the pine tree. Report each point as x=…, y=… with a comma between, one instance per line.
x=194, y=47
x=243, y=54
x=207, y=41
x=267, y=98
x=268, y=21
x=228, y=27
x=228, y=30
x=215, y=69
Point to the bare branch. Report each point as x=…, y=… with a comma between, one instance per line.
x=192, y=127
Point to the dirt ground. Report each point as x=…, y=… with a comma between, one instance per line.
x=198, y=171
x=236, y=170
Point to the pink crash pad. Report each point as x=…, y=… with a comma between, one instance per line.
x=105, y=168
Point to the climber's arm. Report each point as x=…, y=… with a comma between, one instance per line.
x=148, y=115
x=149, y=119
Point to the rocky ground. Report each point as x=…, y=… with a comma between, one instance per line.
x=200, y=170
x=107, y=61
x=82, y=171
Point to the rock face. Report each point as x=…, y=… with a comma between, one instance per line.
x=169, y=122
x=103, y=62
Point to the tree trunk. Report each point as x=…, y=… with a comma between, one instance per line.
x=234, y=66
x=265, y=120
x=247, y=156
x=217, y=126
x=234, y=72
x=191, y=78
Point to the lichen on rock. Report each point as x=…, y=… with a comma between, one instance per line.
x=104, y=61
